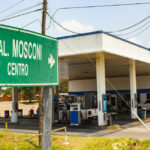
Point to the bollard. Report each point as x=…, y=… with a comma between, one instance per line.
x=15, y=144
x=66, y=143
x=6, y=127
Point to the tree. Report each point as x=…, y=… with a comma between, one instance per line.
x=63, y=86
x=6, y=91
x=29, y=93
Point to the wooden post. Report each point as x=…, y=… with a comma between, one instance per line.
x=41, y=90
x=44, y=16
x=41, y=116
x=47, y=119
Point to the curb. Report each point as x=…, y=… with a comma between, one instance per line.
x=113, y=127
x=144, y=120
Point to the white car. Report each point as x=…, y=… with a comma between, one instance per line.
x=146, y=105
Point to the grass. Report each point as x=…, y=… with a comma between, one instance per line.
x=75, y=143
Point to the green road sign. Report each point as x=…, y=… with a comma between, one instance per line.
x=27, y=58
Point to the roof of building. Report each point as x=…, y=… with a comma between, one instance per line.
x=97, y=32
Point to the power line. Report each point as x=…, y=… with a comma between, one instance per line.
x=135, y=30
x=129, y=27
x=139, y=32
x=20, y=15
x=49, y=21
x=11, y=7
x=98, y=6
x=23, y=10
x=37, y=20
x=61, y=25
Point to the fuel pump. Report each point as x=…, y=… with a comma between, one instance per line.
x=75, y=116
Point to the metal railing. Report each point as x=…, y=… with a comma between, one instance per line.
x=34, y=135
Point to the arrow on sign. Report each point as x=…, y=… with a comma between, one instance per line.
x=51, y=61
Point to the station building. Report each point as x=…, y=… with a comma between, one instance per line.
x=105, y=66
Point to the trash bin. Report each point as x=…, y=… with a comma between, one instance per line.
x=6, y=113
x=109, y=119
x=20, y=112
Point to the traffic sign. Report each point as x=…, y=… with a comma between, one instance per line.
x=27, y=58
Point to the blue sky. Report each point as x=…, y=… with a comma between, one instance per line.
x=82, y=20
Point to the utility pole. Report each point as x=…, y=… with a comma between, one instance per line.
x=42, y=89
x=44, y=16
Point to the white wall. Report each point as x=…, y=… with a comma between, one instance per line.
x=96, y=43
x=121, y=83
x=122, y=48
x=80, y=45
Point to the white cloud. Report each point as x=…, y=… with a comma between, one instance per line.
x=75, y=26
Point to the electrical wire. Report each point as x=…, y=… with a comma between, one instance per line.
x=21, y=15
x=99, y=6
x=23, y=10
x=139, y=32
x=134, y=30
x=37, y=20
x=50, y=20
x=60, y=24
x=14, y=5
x=129, y=27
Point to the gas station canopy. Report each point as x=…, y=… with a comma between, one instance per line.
x=77, y=56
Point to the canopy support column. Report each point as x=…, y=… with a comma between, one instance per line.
x=133, y=88
x=101, y=89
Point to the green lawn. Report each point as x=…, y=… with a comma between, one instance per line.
x=75, y=143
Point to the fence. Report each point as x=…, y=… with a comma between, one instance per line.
x=34, y=135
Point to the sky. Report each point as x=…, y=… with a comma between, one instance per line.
x=81, y=20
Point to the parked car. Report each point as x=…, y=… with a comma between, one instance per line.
x=146, y=105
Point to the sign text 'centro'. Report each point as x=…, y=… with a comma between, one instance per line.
x=30, y=58
x=23, y=50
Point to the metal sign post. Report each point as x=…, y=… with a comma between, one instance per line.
x=30, y=59
x=47, y=119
